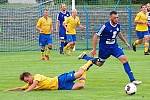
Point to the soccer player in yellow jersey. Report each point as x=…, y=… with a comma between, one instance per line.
x=62, y=82
x=45, y=28
x=148, y=13
x=70, y=25
x=141, y=21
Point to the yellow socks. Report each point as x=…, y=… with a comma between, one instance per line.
x=67, y=49
x=82, y=79
x=87, y=65
x=146, y=46
x=137, y=42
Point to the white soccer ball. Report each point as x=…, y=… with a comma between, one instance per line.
x=130, y=88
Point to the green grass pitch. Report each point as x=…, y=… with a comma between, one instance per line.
x=105, y=83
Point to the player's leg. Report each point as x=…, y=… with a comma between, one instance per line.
x=42, y=45
x=102, y=56
x=66, y=80
x=118, y=53
x=138, y=41
x=69, y=44
x=80, y=75
x=146, y=43
x=62, y=37
x=49, y=47
x=74, y=42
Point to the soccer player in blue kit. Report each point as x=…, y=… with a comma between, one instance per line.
x=59, y=26
x=108, y=46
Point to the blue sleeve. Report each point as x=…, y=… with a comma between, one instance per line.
x=58, y=16
x=101, y=30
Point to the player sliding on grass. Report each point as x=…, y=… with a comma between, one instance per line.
x=108, y=45
x=45, y=28
x=62, y=82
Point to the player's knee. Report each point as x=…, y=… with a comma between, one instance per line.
x=50, y=47
x=81, y=86
x=123, y=59
x=98, y=62
x=42, y=50
x=146, y=39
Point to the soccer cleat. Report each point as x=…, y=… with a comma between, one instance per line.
x=149, y=50
x=136, y=82
x=81, y=55
x=43, y=58
x=146, y=53
x=134, y=47
x=46, y=57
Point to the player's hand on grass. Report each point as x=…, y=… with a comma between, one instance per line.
x=93, y=52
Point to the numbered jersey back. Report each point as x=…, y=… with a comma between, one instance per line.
x=108, y=33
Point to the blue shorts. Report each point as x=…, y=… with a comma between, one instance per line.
x=71, y=38
x=45, y=39
x=66, y=81
x=141, y=35
x=106, y=52
x=62, y=33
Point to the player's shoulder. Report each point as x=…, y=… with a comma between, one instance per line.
x=41, y=18
x=37, y=75
x=139, y=13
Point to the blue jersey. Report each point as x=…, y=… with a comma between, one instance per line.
x=61, y=17
x=108, y=34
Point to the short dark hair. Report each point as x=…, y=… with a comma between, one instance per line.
x=113, y=12
x=143, y=5
x=24, y=74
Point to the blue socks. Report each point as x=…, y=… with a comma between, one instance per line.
x=128, y=71
x=62, y=44
x=87, y=58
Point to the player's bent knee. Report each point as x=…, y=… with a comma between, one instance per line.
x=123, y=59
x=50, y=47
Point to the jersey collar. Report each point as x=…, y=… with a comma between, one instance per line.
x=112, y=24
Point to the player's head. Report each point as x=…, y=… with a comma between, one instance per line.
x=46, y=13
x=74, y=12
x=26, y=77
x=144, y=8
x=148, y=7
x=63, y=7
x=114, y=17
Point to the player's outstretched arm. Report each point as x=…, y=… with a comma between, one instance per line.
x=120, y=35
x=57, y=25
x=32, y=86
x=15, y=89
x=94, y=44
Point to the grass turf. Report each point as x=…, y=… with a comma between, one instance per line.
x=105, y=83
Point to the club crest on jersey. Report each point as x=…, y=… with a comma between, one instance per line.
x=117, y=29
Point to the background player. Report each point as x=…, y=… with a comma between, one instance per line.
x=108, y=45
x=141, y=21
x=63, y=14
x=62, y=82
x=148, y=10
x=70, y=25
x=45, y=27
